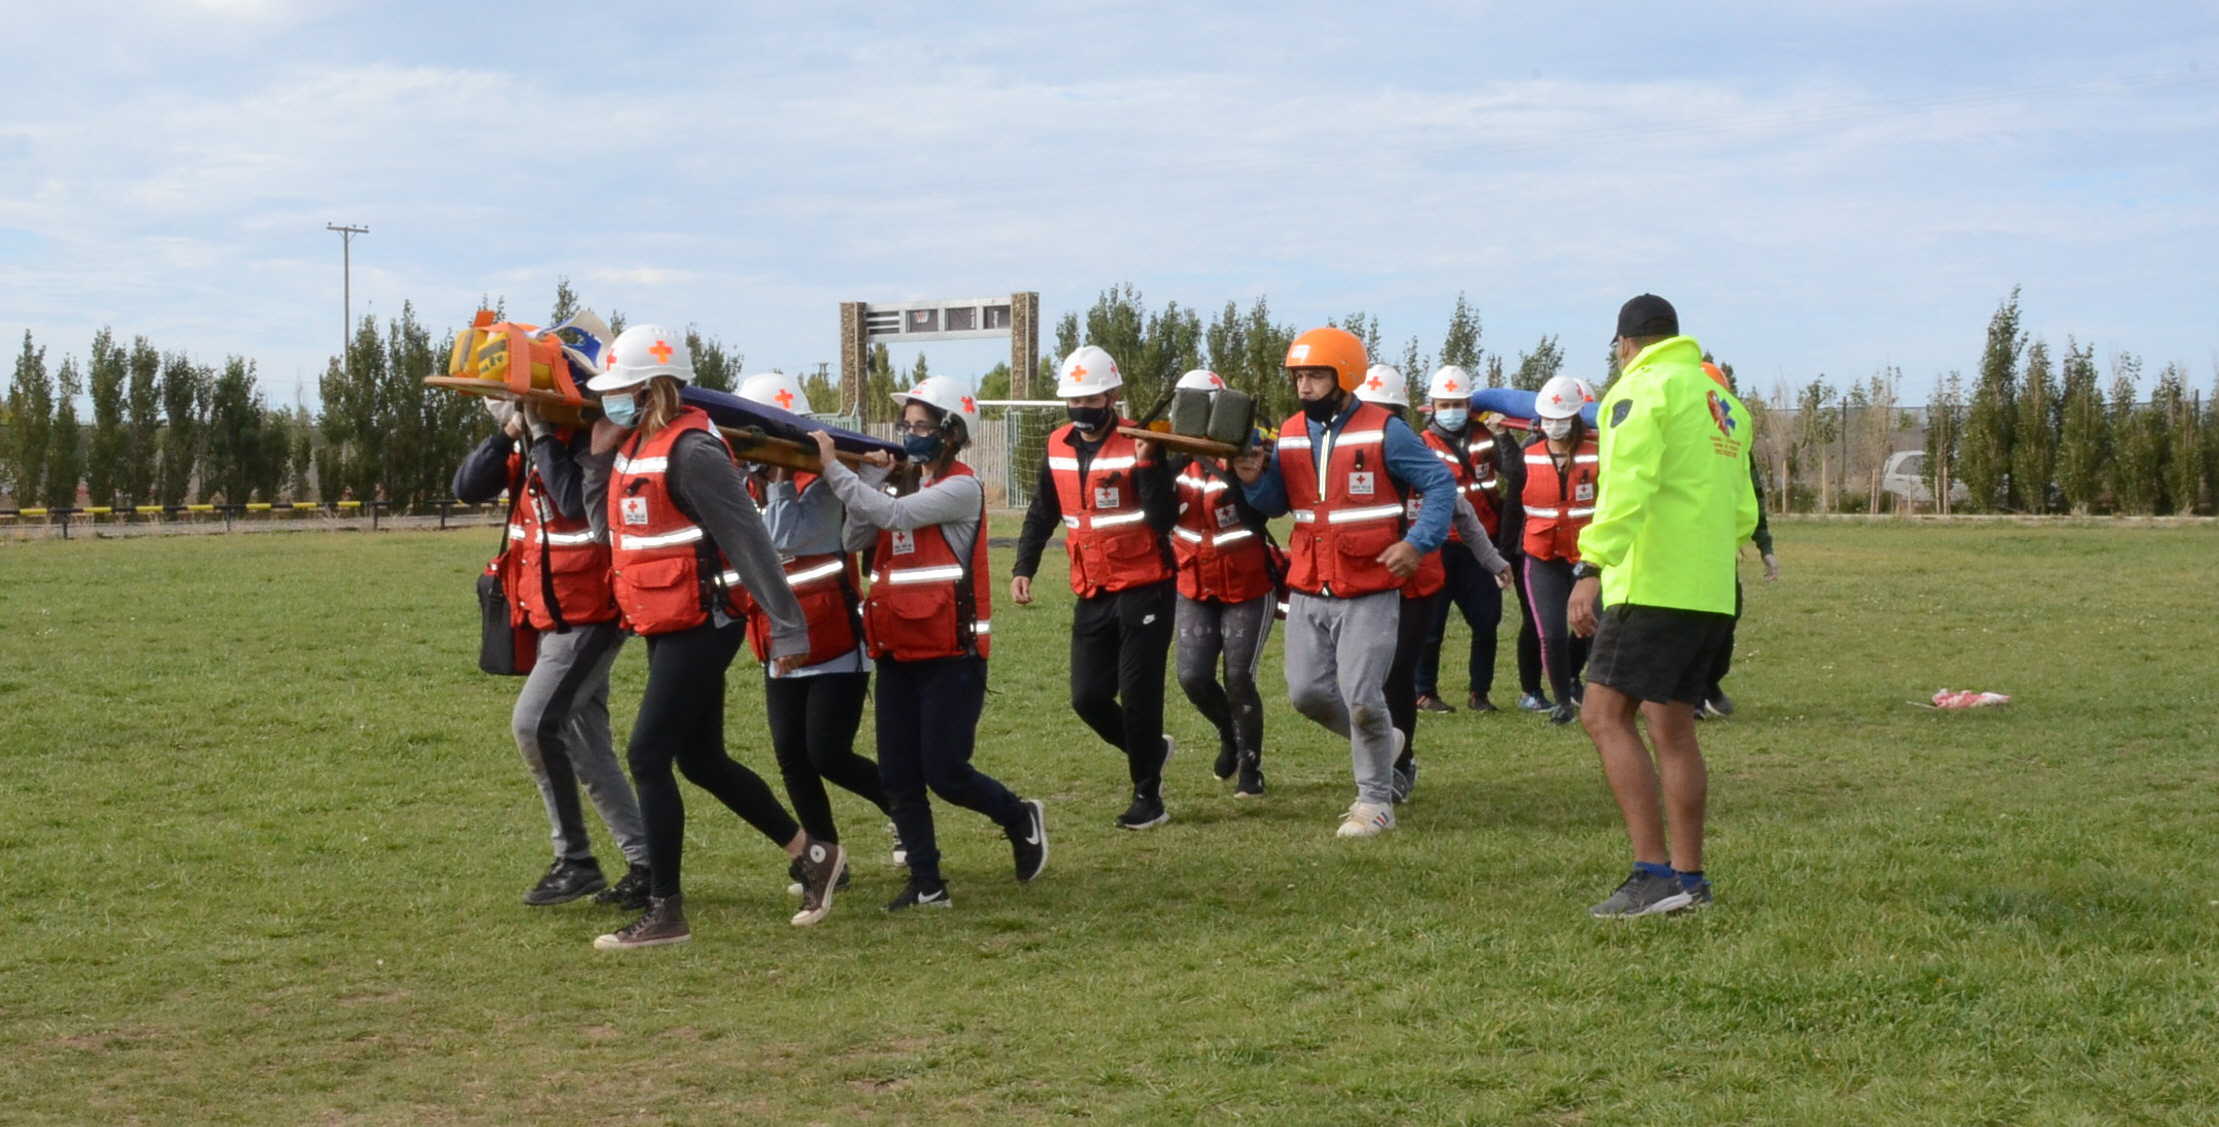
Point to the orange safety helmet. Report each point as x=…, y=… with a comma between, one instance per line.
x=1337, y=349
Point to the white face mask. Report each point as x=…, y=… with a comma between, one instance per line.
x=1452, y=419
x=1559, y=429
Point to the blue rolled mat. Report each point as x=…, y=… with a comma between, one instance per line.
x=728, y=410
x=1517, y=405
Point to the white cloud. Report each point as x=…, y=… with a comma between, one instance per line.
x=1819, y=207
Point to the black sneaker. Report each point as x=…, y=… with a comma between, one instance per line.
x=1643, y=895
x=1145, y=813
x=567, y=881
x=1478, y=702
x=1564, y=713
x=1404, y=781
x=822, y=866
x=1534, y=702
x=1578, y=695
x=1030, y=846
x=629, y=892
x=1251, y=784
x=921, y=893
x=662, y=925
x=1427, y=702
x=794, y=881
x=1720, y=704
x=1228, y=762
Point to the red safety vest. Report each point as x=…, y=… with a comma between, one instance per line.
x=829, y=599
x=1343, y=520
x=1105, y=532
x=1219, y=558
x=666, y=571
x=1559, y=506
x=572, y=570
x=915, y=611
x=1475, y=477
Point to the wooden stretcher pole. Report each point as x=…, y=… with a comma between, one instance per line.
x=751, y=444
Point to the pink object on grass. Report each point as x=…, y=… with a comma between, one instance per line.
x=1968, y=699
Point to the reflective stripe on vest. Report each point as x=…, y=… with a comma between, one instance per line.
x=1339, y=533
x=630, y=543
x=665, y=571
x=1109, y=543
x=910, y=609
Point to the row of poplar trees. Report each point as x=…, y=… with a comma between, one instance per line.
x=168, y=430
x=2038, y=433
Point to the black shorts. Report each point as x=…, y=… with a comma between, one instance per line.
x=1657, y=654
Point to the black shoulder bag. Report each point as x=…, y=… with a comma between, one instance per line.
x=504, y=648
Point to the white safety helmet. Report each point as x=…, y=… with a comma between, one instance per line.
x=1384, y=385
x=641, y=353
x=950, y=396
x=1087, y=371
x=1562, y=398
x=1450, y=382
x=1201, y=379
x=776, y=389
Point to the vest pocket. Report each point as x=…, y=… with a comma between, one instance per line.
x=654, y=575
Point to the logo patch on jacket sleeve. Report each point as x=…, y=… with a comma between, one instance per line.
x=1619, y=412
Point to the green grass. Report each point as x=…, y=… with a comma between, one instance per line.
x=262, y=835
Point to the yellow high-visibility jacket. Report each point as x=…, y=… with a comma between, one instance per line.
x=1674, y=501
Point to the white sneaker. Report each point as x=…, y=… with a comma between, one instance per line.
x=1366, y=819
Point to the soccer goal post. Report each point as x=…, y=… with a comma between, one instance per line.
x=1014, y=435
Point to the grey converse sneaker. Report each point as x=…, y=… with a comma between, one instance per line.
x=1643, y=895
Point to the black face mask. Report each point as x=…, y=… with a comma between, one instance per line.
x=1091, y=419
x=1322, y=411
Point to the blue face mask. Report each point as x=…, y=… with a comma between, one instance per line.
x=922, y=447
x=1452, y=419
x=621, y=408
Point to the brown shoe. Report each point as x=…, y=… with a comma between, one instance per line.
x=1430, y=703
x=821, y=866
x=663, y=925
x=1480, y=703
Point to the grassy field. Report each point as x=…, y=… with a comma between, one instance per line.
x=263, y=836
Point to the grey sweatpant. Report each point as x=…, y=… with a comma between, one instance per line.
x=561, y=724
x=1338, y=654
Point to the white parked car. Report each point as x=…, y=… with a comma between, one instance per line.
x=1904, y=477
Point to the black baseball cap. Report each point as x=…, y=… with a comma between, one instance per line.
x=1648, y=316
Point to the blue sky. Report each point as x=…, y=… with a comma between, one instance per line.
x=1820, y=189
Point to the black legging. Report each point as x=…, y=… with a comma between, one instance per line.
x=1548, y=588
x=1473, y=591
x=928, y=718
x=812, y=730
x=1402, y=673
x=1529, y=654
x=1118, y=644
x=681, y=721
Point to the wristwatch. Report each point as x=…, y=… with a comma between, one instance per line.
x=1585, y=570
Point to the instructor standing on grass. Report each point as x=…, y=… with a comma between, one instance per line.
x=1672, y=507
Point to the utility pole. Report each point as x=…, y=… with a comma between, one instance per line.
x=346, y=282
